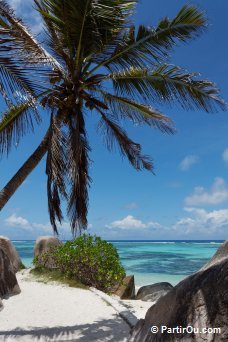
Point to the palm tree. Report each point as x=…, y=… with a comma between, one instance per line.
x=92, y=58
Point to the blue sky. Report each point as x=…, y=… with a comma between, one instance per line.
x=188, y=197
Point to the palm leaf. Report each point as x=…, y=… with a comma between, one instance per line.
x=85, y=26
x=20, y=54
x=78, y=166
x=15, y=123
x=112, y=133
x=5, y=96
x=56, y=172
x=168, y=84
x=150, y=44
x=123, y=108
x=20, y=40
x=52, y=37
x=15, y=81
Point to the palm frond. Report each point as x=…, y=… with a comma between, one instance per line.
x=56, y=169
x=5, y=96
x=113, y=133
x=18, y=33
x=168, y=83
x=85, y=26
x=79, y=180
x=82, y=30
x=20, y=40
x=15, y=81
x=52, y=37
x=21, y=57
x=149, y=44
x=15, y=123
x=123, y=108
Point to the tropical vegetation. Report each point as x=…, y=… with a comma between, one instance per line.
x=88, y=259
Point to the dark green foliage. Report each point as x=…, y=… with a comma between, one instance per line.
x=89, y=259
x=15, y=123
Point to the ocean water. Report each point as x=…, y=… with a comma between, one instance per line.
x=151, y=261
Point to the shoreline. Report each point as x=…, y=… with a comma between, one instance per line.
x=151, y=263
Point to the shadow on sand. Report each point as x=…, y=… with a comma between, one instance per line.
x=105, y=330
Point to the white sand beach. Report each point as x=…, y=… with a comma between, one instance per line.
x=54, y=312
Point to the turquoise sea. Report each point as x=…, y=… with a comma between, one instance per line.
x=151, y=261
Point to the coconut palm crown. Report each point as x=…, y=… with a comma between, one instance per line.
x=92, y=58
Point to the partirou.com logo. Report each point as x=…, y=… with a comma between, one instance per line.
x=163, y=329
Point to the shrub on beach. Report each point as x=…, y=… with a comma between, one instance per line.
x=91, y=260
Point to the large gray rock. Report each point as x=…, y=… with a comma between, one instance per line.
x=221, y=254
x=199, y=301
x=10, y=250
x=8, y=280
x=151, y=293
x=45, y=244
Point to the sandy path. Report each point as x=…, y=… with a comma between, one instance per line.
x=44, y=312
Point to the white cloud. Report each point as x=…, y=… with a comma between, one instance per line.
x=21, y=223
x=15, y=221
x=187, y=162
x=46, y=228
x=216, y=195
x=225, y=155
x=202, y=222
x=25, y=9
x=131, y=223
x=196, y=224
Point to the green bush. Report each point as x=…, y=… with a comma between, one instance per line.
x=91, y=260
x=46, y=260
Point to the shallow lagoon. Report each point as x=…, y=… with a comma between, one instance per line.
x=151, y=261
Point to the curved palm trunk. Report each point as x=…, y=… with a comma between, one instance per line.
x=24, y=171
